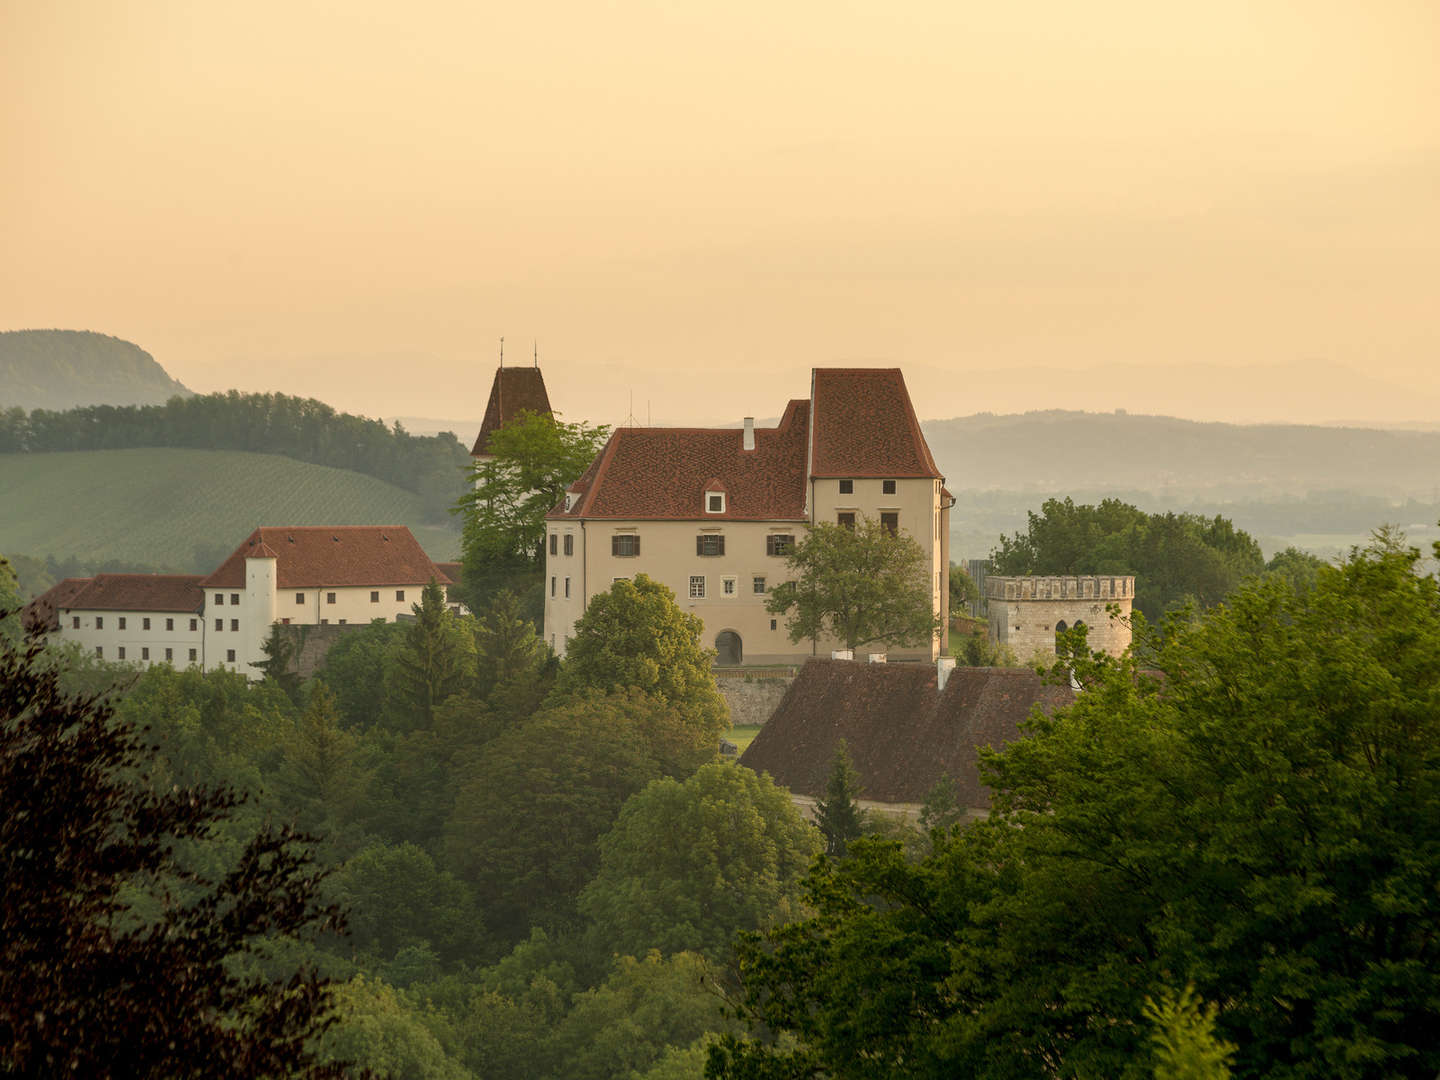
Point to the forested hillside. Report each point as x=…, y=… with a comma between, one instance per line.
x=59, y=369
x=431, y=466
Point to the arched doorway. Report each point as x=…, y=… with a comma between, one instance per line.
x=728, y=648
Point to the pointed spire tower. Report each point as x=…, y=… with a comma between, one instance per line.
x=515, y=390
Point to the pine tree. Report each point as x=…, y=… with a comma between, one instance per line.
x=838, y=812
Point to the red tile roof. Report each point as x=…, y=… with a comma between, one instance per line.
x=663, y=473
x=901, y=734
x=138, y=592
x=863, y=424
x=42, y=614
x=514, y=389
x=339, y=555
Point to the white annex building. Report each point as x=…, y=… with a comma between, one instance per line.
x=711, y=512
x=305, y=575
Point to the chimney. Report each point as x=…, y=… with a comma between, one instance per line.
x=842, y=654
x=749, y=443
x=943, y=667
x=877, y=658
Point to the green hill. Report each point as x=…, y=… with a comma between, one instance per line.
x=59, y=369
x=185, y=509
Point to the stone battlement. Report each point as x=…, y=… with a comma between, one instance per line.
x=1061, y=587
x=1026, y=613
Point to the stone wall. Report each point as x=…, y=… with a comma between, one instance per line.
x=313, y=643
x=1026, y=612
x=753, y=695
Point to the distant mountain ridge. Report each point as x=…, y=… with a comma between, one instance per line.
x=60, y=369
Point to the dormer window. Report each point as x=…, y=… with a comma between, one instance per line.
x=569, y=501
x=714, y=502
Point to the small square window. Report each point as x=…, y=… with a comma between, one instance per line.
x=728, y=586
x=846, y=518
x=779, y=544
x=324, y=622
x=399, y=594
x=625, y=545
x=329, y=597
x=569, y=543
x=710, y=544
x=847, y=487
x=120, y=652
x=235, y=598
x=169, y=624
x=230, y=655
x=299, y=597
x=757, y=584
x=100, y=651
x=554, y=543
x=219, y=624
x=74, y=622
x=121, y=621
x=714, y=502
x=194, y=625
x=169, y=655
x=887, y=487
x=772, y=624
x=890, y=522
x=285, y=622
x=234, y=624
x=697, y=587
x=342, y=622
x=144, y=624
x=144, y=653
x=99, y=622
x=219, y=599
x=193, y=655
x=374, y=596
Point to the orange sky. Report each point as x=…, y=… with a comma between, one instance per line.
x=1025, y=205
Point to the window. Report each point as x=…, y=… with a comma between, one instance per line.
x=374, y=596
x=144, y=653
x=779, y=544
x=235, y=598
x=847, y=487
x=552, y=586
x=890, y=522
x=697, y=587
x=74, y=622
x=219, y=598
x=299, y=597
x=772, y=624
x=120, y=652
x=569, y=543
x=554, y=543
x=710, y=544
x=728, y=586
x=757, y=584
x=194, y=625
x=169, y=624
x=100, y=651
x=192, y=656
x=230, y=655
x=234, y=624
x=144, y=624
x=567, y=588
x=846, y=518
x=99, y=622
x=285, y=622
x=624, y=545
x=342, y=622
x=614, y=580
x=714, y=502
x=887, y=487
x=219, y=624
x=169, y=655
x=122, y=622
x=324, y=622
x=399, y=594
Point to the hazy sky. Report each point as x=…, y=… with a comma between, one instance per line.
x=1037, y=203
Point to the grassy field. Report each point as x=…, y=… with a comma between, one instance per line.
x=180, y=509
x=742, y=734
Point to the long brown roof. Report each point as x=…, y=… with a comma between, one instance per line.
x=863, y=424
x=138, y=592
x=336, y=555
x=901, y=734
x=664, y=473
x=514, y=390
x=42, y=614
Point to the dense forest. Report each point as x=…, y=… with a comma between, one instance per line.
x=301, y=428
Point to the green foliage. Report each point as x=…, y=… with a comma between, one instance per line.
x=55, y=369
x=1298, y=568
x=942, y=809
x=636, y=637
x=514, y=667
x=688, y=865
x=278, y=666
x=435, y=659
x=1175, y=557
x=134, y=492
x=378, y=1030
x=837, y=812
x=354, y=670
x=88, y=986
x=963, y=590
x=1260, y=821
x=858, y=585
x=321, y=777
x=1183, y=1038
x=534, y=458
x=10, y=602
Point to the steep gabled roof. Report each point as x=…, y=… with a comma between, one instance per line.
x=138, y=592
x=42, y=614
x=663, y=474
x=338, y=555
x=863, y=424
x=514, y=390
x=901, y=734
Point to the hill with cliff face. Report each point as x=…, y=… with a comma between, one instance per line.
x=60, y=369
